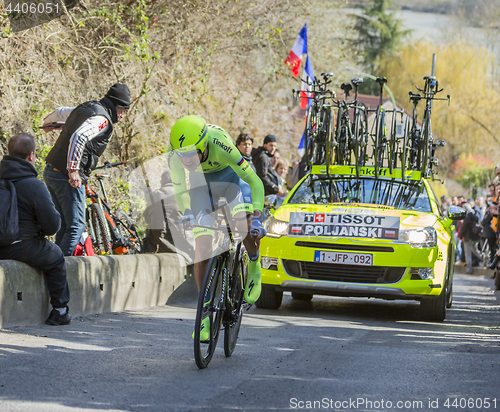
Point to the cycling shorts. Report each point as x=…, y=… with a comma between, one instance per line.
x=207, y=188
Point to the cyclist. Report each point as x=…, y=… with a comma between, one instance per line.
x=216, y=168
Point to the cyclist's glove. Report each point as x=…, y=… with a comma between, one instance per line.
x=257, y=229
x=187, y=219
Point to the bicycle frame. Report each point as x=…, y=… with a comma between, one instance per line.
x=431, y=88
x=222, y=277
x=119, y=243
x=104, y=203
x=318, y=121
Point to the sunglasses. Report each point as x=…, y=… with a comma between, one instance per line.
x=188, y=154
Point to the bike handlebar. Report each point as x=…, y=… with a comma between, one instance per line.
x=107, y=165
x=254, y=232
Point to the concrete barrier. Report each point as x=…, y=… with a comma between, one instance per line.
x=97, y=284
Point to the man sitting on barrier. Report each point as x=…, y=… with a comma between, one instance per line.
x=38, y=218
x=216, y=169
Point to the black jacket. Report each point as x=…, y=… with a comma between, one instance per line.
x=37, y=214
x=488, y=231
x=58, y=155
x=250, y=161
x=264, y=169
x=466, y=228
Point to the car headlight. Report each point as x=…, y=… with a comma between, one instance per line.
x=418, y=238
x=275, y=227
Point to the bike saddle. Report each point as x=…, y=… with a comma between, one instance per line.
x=357, y=81
x=381, y=80
x=415, y=97
x=346, y=87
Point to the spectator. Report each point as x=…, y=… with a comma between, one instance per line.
x=491, y=190
x=86, y=132
x=292, y=176
x=481, y=206
x=489, y=234
x=445, y=203
x=281, y=171
x=494, y=209
x=469, y=237
x=37, y=218
x=275, y=158
x=244, y=143
x=276, y=177
x=163, y=234
x=263, y=167
x=475, y=208
x=454, y=201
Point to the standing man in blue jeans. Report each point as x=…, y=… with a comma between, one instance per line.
x=86, y=133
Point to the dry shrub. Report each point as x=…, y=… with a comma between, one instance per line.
x=221, y=59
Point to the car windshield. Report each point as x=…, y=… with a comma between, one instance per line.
x=399, y=195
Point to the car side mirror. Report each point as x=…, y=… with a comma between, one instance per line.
x=456, y=213
x=270, y=201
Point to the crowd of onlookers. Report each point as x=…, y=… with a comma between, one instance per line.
x=477, y=235
x=276, y=174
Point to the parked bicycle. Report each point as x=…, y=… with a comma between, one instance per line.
x=431, y=88
x=351, y=136
x=110, y=232
x=221, y=295
x=319, y=133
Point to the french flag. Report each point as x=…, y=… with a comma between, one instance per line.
x=307, y=77
x=299, y=48
x=304, y=101
x=302, y=145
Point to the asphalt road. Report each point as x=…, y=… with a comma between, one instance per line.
x=343, y=354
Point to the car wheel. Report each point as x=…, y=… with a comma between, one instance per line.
x=497, y=279
x=269, y=298
x=302, y=296
x=434, y=308
x=449, y=297
x=449, y=286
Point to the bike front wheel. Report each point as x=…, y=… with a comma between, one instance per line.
x=210, y=306
x=127, y=230
x=98, y=229
x=234, y=312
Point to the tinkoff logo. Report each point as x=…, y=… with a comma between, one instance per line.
x=223, y=146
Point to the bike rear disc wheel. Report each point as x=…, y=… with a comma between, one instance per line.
x=235, y=304
x=209, y=306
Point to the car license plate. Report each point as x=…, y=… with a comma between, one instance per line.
x=344, y=258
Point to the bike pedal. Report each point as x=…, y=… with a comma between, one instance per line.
x=246, y=306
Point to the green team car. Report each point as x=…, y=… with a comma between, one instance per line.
x=340, y=234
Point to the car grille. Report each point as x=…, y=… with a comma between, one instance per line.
x=335, y=246
x=343, y=273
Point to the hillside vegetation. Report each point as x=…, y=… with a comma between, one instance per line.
x=221, y=59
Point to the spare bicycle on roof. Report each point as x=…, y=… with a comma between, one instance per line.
x=359, y=137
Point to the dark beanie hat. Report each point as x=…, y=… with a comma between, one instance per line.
x=270, y=138
x=119, y=94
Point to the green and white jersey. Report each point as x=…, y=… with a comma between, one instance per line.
x=222, y=152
